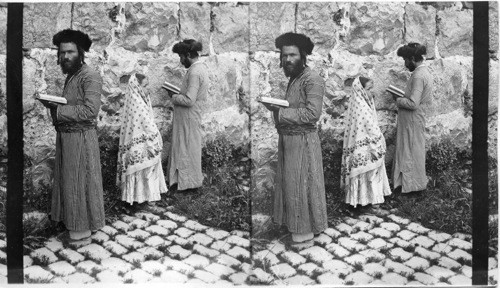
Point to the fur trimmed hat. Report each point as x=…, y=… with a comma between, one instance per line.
x=303, y=42
x=80, y=39
x=187, y=46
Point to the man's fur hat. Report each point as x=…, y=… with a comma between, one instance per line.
x=303, y=42
x=81, y=39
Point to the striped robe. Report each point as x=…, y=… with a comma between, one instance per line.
x=77, y=197
x=299, y=199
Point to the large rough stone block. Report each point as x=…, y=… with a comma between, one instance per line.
x=268, y=20
x=230, y=27
x=195, y=22
x=493, y=27
x=493, y=87
x=95, y=19
x=455, y=32
x=420, y=23
x=3, y=29
x=42, y=20
x=375, y=28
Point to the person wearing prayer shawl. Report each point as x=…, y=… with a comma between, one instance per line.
x=408, y=169
x=139, y=170
x=77, y=196
x=363, y=175
x=184, y=163
x=299, y=198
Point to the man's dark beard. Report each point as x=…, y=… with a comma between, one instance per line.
x=293, y=69
x=70, y=66
x=186, y=63
x=411, y=66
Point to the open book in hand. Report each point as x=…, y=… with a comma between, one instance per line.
x=396, y=91
x=275, y=101
x=56, y=99
x=171, y=87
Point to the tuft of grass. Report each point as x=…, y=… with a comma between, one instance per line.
x=378, y=275
x=128, y=281
x=157, y=273
x=357, y=266
x=409, y=248
x=315, y=274
x=434, y=262
x=349, y=283
x=342, y=276
x=410, y=277
x=443, y=279
x=41, y=261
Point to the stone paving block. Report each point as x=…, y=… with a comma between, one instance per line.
x=493, y=276
x=462, y=236
x=79, y=243
x=137, y=276
x=355, y=259
x=337, y=250
x=204, y=251
x=400, y=242
x=380, y=232
x=399, y=220
x=121, y=226
x=358, y=278
x=27, y=261
x=303, y=245
x=79, y=278
x=71, y=256
x=94, y=252
x=237, y=240
x=459, y=253
x=109, y=230
x=150, y=253
x=3, y=257
x=246, y=268
x=138, y=234
x=372, y=255
x=227, y=260
x=293, y=258
x=266, y=257
x=177, y=265
x=332, y=233
x=175, y=217
x=61, y=268
x=52, y=244
x=424, y=253
x=134, y=258
x=459, y=243
x=350, y=244
x=361, y=236
x=299, y=280
x=380, y=283
x=417, y=228
x=127, y=242
x=417, y=263
x=158, y=230
x=283, y=270
x=178, y=240
x=276, y=247
x=393, y=279
x=316, y=254
x=115, y=248
x=219, y=270
x=262, y=276
x=438, y=272
x=100, y=237
x=184, y=232
x=343, y=227
x=438, y=236
x=171, y=276
x=88, y=266
x=373, y=269
x=127, y=218
x=196, y=261
x=460, y=280
x=200, y=239
x=363, y=226
x=167, y=224
x=138, y=224
x=467, y=271
x=217, y=234
x=337, y=267
x=322, y=239
x=350, y=220
x=116, y=265
x=393, y=227
x=492, y=263
x=155, y=241
x=153, y=267
x=371, y=219
x=422, y=241
x=406, y=235
x=425, y=279
x=37, y=274
x=400, y=254
x=398, y=267
x=109, y=276
x=205, y=276
x=221, y=246
x=3, y=270
x=442, y=248
x=3, y=244
x=237, y=251
x=43, y=255
x=330, y=279
x=448, y=263
x=238, y=278
x=379, y=243
x=147, y=216
x=242, y=234
x=195, y=226
x=310, y=268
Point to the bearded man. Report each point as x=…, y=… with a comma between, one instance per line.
x=77, y=196
x=299, y=198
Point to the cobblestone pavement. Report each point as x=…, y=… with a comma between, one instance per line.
x=374, y=249
x=161, y=246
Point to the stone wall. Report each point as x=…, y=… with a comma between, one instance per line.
x=352, y=39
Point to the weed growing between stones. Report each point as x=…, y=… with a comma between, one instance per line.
x=378, y=275
x=190, y=275
x=357, y=266
x=128, y=281
x=409, y=248
x=372, y=259
x=157, y=273
x=464, y=261
x=433, y=262
x=136, y=264
x=384, y=250
x=37, y=280
x=188, y=246
x=455, y=269
x=349, y=283
x=363, y=241
x=443, y=279
x=42, y=261
x=419, y=269
x=121, y=273
x=94, y=272
x=315, y=274
x=342, y=276
x=410, y=277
